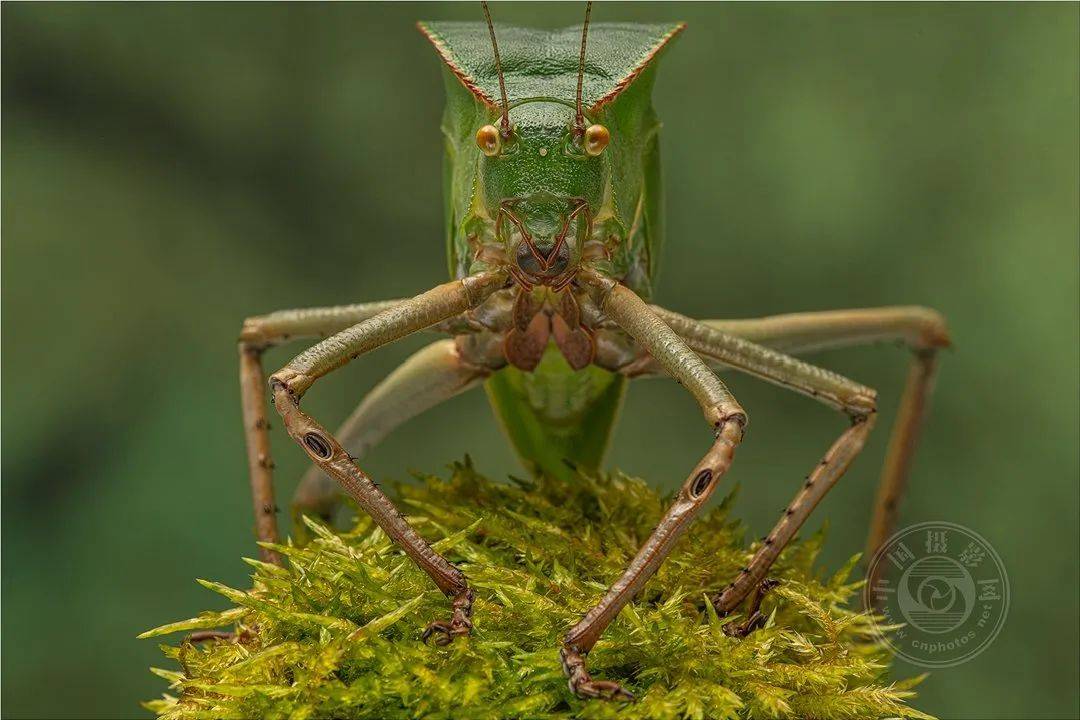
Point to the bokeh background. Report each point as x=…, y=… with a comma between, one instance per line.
x=169, y=169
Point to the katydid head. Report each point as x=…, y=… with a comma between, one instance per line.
x=551, y=148
x=543, y=185
x=542, y=175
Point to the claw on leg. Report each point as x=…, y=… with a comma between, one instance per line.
x=460, y=620
x=755, y=620
x=582, y=684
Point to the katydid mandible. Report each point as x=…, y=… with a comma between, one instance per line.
x=554, y=226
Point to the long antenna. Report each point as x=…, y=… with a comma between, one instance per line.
x=579, y=117
x=498, y=69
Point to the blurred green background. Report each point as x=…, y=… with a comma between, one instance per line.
x=169, y=169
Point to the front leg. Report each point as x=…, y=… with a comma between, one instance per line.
x=727, y=419
x=694, y=493
x=429, y=377
x=291, y=382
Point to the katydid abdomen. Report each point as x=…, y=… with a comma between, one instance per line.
x=558, y=419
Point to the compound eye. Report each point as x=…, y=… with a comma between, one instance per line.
x=488, y=140
x=597, y=138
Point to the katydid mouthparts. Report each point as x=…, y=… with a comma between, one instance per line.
x=554, y=226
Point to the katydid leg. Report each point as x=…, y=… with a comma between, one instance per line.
x=902, y=443
x=921, y=329
x=290, y=383
x=817, y=484
x=432, y=375
x=258, y=334
x=832, y=389
x=264, y=331
x=260, y=464
x=726, y=418
x=731, y=351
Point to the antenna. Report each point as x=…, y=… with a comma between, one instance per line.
x=579, y=117
x=498, y=69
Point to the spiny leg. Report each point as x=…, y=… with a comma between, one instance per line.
x=923, y=330
x=897, y=468
x=202, y=636
x=727, y=419
x=818, y=483
x=258, y=334
x=260, y=465
x=291, y=382
x=432, y=375
x=693, y=495
x=830, y=388
x=919, y=328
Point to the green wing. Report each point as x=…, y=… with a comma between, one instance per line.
x=544, y=63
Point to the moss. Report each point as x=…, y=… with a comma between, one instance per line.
x=336, y=634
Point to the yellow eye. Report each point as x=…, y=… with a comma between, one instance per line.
x=489, y=140
x=597, y=138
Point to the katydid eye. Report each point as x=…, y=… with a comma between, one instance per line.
x=597, y=138
x=488, y=140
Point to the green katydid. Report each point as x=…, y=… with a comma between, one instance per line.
x=553, y=225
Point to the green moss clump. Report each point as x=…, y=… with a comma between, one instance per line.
x=336, y=634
